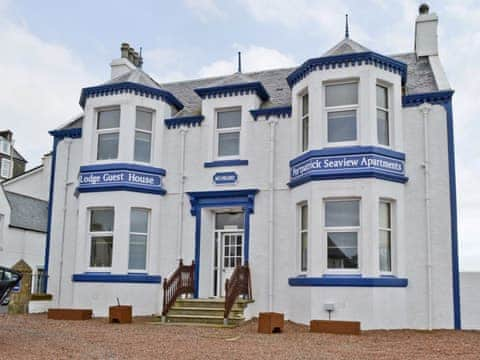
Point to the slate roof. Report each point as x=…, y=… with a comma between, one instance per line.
x=27, y=213
x=346, y=46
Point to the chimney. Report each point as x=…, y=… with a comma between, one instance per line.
x=127, y=62
x=426, y=38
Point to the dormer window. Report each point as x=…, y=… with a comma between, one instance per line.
x=108, y=131
x=341, y=104
x=143, y=135
x=228, y=133
x=4, y=146
x=383, y=116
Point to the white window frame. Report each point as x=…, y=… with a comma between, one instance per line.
x=4, y=146
x=329, y=109
x=392, y=235
x=99, y=132
x=152, y=112
x=6, y=164
x=302, y=119
x=357, y=229
x=147, y=241
x=300, y=232
x=91, y=234
x=227, y=131
x=387, y=110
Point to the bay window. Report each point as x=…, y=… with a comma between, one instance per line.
x=137, y=258
x=101, y=237
x=108, y=130
x=385, y=236
x=383, y=116
x=228, y=133
x=342, y=226
x=341, y=103
x=143, y=135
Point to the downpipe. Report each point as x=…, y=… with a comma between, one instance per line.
x=271, y=225
x=183, y=134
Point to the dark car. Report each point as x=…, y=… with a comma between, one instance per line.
x=8, y=280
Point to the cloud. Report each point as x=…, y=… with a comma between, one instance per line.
x=165, y=64
x=254, y=58
x=41, y=84
x=204, y=9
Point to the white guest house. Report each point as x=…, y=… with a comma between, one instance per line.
x=328, y=186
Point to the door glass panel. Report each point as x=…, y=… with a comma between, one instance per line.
x=229, y=219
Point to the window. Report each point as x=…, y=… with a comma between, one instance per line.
x=342, y=225
x=108, y=129
x=303, y=236
x=39, y=287
x=101, y=237
x=137, y=258
x=383, y=116
x=228, y=133
x=143, y=135
x=385, y=236
x=305, y=122
x=341, y=102
x=4, y=146
x=5, y=168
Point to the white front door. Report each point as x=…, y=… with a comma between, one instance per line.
x=230, y=255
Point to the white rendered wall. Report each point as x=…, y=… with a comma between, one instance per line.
x=470, y=299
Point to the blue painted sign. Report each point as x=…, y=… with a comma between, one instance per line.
x=113, y=177
x=225, y=178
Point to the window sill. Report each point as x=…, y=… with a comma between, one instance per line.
x=220, y=163
x=348, y=281
x=117, y=278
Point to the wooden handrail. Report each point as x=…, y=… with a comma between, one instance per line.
x=181, y=282
x=240, y=283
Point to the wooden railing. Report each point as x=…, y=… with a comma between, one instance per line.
x=239, y=283
x=181, y=282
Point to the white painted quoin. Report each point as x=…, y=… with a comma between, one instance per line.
x=224, y=172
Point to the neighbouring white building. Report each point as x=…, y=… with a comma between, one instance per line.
x=334, y=181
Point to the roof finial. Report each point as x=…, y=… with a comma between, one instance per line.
x=239, y=61
x=347, y=35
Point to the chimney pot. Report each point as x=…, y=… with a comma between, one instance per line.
x=423, y=9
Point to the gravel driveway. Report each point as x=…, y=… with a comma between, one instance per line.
x=35, y=337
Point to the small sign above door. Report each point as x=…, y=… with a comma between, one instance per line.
x=222, y=178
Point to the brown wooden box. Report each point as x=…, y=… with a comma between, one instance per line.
x=121, y=314
x=335, y=327
x=69, y=314
x=270, y=322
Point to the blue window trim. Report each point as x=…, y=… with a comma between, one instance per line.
x=189, y=121
x=444, y=98
x=280, y=111
x=348, y=281
x=352, y=174
x=224, y=163
x=216, y=199
x=126, y=187
x=347, y=60
x=254, y=87
x=58, y=135
x=117, y=278
x=132, y=88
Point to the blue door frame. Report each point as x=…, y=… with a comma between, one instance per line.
x=218, y=199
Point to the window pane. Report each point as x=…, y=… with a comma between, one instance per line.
x=229, y=119
x=5, y=168
x=107, y=146
x=304, y=251
x=101, y=251
x=101, y=220
x=137, y=252
x=305, y=104
x=108, y=119
x=4, y=146
x=139, y=221
x=142, y=146
x=305, y=133
x=382, y=127
x=342, y=126
x=144, y=120
x=342, y=250
x=342, y=213
x=229, y=219
x=385, y=215
x=385, y=251
x=382, y=97
x=229, y=144
x=341, y=94
x=304, y=216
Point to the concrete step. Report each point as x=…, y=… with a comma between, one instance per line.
x=212, y=311
x=203, y=319
x=210, y=303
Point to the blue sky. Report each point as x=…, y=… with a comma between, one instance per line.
x=51, y=49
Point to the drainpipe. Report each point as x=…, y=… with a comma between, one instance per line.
x=68, y=143
x=183, y=134
x=425, y=109
x=271, y=225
